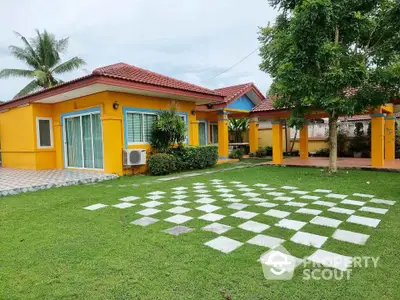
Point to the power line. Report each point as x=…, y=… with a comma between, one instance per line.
x=242, y=60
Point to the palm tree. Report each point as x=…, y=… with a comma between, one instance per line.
x=238, y=126
x=42, y=55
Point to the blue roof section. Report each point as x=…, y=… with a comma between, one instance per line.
x=242, y=103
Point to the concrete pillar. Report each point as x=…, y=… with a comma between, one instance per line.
x=277, y=151
x=377, y=140
x=223, y=136
x=194, y=133
x=390, y=137
x=253, y=134
x=304, y=141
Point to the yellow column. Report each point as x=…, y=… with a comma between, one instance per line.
x=253, y=134
x=59, y=145
x=390, y=136
x=277, y=155
x=223, y=137
x=304, y=141
x=377, y=140
x=194, y=133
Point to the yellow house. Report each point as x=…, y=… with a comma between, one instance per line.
x=90, y=122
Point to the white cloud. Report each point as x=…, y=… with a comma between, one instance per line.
x=190, y=40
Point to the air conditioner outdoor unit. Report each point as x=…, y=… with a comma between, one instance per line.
x=134, y=157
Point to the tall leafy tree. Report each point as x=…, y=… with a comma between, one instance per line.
x=42, y=56
x=339, y=56
x=238, y=127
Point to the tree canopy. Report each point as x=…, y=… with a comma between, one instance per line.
x=340, y=56
x=42, y=55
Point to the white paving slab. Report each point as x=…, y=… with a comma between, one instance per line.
x=180, y=188
x=375, y=210
x=179, y=192
x=340, y=210
x=382, y=201
x=203, y=195
x=199, y=187
x=179, y=202
x=370, y=222
x=324, y=221
x=227, y=195
x=129, y=198
x=199, y=183
x=277, y=213
x=283, y=198
x=324, y=203
x=268, y=189
x=353, y=202
x=261, y=185
x=212, y=217
x=95, y=206
x=363, y=195
x=124, y=205
x=217, y=228
x=201, y=191
x=309, y=239
x=331, y=259
x=152, y=204
x=265, y=241
x=178, y=230
x=291, y=224
x=296, y=204
x=205, y=200
x=244, y=214
x=277, y=194
x=235, y=182
x=257, y=199
x=250, y=194
x=208, y=208
x=178, y=219
x=310, y=197
x=309, y=211
x=350, y=237
x=267, y=204
x=336, y=196
x=148, y=211
x=145, y=221
x=299, y=192
x=237, y=206
x=322, y=191
x=224, y=190
x=245, y=189
x=179, y=210
x=241, y=185
x=232, y=200
x=254, y=226
x=223, y=244
x=156, y=193
x=155, y=197
x=288, y=187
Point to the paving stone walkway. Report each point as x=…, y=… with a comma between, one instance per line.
x=258, y=209
x=15, y=181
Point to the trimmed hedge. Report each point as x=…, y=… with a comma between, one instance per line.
x=183, y=158
x=194, y=158
x=162, y=164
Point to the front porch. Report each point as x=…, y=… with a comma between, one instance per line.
x=342, y=163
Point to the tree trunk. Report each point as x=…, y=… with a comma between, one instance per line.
x=333, y=144
x=294, y=141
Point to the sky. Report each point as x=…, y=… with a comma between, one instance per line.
x=191, y=40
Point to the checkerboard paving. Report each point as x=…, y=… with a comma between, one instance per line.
x=262, y=212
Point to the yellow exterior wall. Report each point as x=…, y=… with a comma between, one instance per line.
x=18, y=138
x=18, y=130
x=313, y=145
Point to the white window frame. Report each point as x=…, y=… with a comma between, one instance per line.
x=38, y=132
x=140, y=113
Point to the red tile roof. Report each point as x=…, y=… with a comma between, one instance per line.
x=265, y=105
x=132, y=73
x=363, y=117
x=233, y=92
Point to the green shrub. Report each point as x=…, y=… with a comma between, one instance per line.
x=252, y=154
x=268, y=151
x=324, y=152
x=193, y=158
x=236, y=154
x=162, y=164
x=261, y=152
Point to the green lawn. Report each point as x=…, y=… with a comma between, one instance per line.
x=51, y=248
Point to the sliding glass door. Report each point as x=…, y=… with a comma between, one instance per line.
x=83, y=140
x=202, y=133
